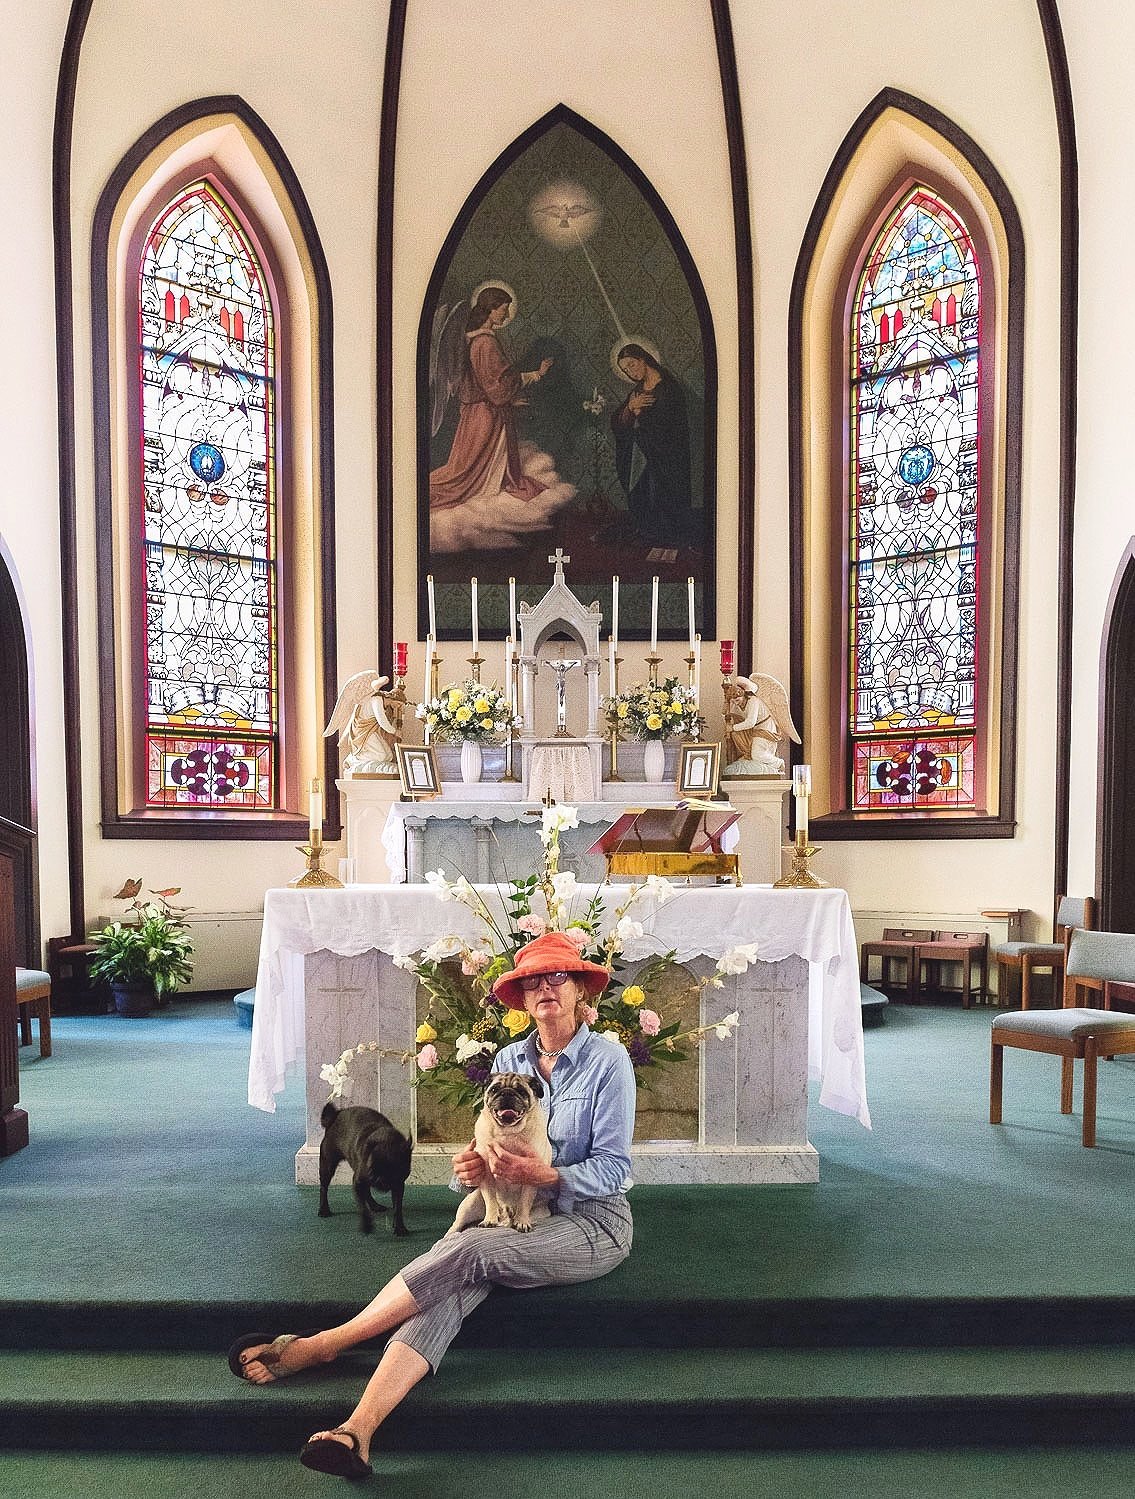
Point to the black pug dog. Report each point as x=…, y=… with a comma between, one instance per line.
x=378, y=1155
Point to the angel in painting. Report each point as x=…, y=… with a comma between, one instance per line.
x=493, y=487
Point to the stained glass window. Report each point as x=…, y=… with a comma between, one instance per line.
x=208, y=544
x=913, y=555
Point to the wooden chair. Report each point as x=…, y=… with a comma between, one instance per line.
x=33, y=1001
x=1027, y=958
x=899, y=944
x=1094, y=960
x=970, y=949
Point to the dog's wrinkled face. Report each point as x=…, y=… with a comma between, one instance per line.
x=510, y=1098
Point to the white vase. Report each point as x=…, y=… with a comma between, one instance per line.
x=470, y=760
x=653, y=761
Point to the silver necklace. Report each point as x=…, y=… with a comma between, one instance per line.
x=544, y=1053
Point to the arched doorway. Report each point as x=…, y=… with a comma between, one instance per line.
x=1115, y=787
x=17, y=800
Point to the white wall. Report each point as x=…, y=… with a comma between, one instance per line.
x=476, y=73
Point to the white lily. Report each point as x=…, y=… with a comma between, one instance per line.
x=629, y=930
x=565, y=885
x=661, y=889
x=444, y=947
x=727, y=1025
x=610, y=1036
x=408, y=962
x=436, y=880
x=737, y=959
x=553, y=820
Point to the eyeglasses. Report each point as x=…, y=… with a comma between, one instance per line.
x=532, y=981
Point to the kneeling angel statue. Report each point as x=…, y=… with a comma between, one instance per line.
x=369, y=724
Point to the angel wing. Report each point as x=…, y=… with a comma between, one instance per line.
x=447, y=358
x=776, y=700
x=354, y=690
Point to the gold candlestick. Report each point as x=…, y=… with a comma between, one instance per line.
x=476, y=660
x=315, y=877
x=435, y=668
x=691, y=661
x=652, y=663
x=800, y=877
x=513, y=703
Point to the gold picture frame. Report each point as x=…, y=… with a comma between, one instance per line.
x=699, y=770
x=417, y=770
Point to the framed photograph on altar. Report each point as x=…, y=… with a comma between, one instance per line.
x=567, y=395
x=417, y=770
x=699, y=769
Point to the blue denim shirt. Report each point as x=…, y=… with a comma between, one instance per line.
x=590, y=1103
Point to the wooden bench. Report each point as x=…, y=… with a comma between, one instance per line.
x=898, y=945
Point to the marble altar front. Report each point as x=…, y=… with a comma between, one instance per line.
x=326, y=981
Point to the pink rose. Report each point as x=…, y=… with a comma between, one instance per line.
x=648, y=1022
x=577, y=937
x=474, y=962
x=427, y=1058
x=588, y=1014
x=535, y=926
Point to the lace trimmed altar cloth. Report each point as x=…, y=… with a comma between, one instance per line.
x=563, y=771
x=699, y=923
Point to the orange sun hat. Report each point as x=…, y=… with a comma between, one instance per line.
x=551, y=953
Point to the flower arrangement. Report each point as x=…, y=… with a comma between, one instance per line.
x=665, y=711
x=467, y=710
x=465, y=1027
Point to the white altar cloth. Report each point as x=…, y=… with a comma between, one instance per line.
x=699, y=922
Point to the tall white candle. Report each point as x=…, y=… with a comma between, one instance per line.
x=512, y=608
x=615, y=615
x=690, y=601
x=801, y=790
x=473, y=610
x=612, y=665
x=429, y=659
x=315, y=813
x=508, y=673
x=430, y=600
x=654, y=617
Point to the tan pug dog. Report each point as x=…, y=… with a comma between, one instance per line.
x=510, y=1113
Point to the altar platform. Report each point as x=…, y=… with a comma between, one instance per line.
x=327, y=981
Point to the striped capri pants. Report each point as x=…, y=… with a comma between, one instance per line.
x=456, y=1275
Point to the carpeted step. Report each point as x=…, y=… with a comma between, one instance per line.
x=659, y=1400
x=580, y=1317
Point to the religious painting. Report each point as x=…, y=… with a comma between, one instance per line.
x=567, y=390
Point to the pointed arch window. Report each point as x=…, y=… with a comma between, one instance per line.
x=915, y=630
x=207, y=532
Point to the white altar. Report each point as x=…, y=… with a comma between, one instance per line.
x=326, y=981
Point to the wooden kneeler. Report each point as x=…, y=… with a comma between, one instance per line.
x=1067, y=1034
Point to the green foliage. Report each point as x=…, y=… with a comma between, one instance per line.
x=156, y=946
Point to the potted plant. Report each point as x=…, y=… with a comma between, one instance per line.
x=147, y=959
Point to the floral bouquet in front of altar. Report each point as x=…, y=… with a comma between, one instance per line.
x=666, y=711
x=465, y=1026
x=467, y=710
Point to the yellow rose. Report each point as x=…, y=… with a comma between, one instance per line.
x=424, y=1033
x=632, y=995
x=675, y=707
x=486, y=723
x=481, y=705
x=624, y=709
x=653, y=721
x=431, y=718
x=515, y=1021
x=455, y=696
x=463, y=715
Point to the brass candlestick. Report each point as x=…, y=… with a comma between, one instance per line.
x=613, y=732
x=513, y=703
x=800, y=877
x=476, y=660
x=691, y=662
x=435, y=668
x=652, y=662
x=315, y=877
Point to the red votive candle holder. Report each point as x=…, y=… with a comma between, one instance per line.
x=400, y=649
x=726, y=658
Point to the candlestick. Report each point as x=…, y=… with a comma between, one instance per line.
x=315, y=815
x=512, y=608
x=697, y=670
x=430, y=600
x=690, y=610
x=612, y=665
x=613, y=733
x=473, y=601
x=726, y=658
x=801, y=790
x=654, y=616
x=426, y=673
x=615, y=613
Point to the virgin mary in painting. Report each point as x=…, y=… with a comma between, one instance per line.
x=492, y=486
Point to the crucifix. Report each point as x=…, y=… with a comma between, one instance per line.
x=561, y=669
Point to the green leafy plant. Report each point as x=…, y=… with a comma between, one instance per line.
x=155, y=946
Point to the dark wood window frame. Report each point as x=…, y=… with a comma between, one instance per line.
x=192, y=823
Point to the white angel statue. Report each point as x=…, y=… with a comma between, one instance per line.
x=757, y=718
x=369, y=724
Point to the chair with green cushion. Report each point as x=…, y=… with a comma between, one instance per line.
x=1027, y=958
x=1095, y=959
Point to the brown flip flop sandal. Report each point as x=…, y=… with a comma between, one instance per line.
x=323, y=1455
x=269, y=1356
